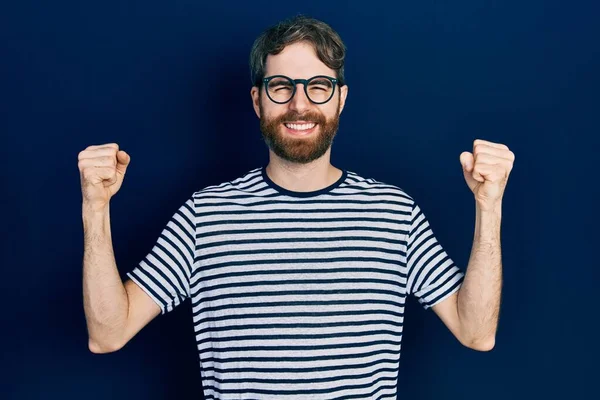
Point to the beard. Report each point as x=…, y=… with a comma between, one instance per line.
x=300, y=150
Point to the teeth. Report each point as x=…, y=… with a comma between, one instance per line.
x=301, y=127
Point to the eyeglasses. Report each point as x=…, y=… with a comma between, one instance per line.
x=281, y=89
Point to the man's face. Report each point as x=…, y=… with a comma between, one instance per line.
x=283, y=125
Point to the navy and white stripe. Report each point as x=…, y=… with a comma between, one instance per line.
x=298, y=295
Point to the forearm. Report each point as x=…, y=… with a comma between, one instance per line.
x=104, y=297
x=479, y=295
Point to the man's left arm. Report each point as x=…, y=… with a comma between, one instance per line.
x=471, y=313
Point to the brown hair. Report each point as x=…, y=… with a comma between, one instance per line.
x=327, y=43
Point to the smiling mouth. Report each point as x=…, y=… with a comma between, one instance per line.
x=300, y=127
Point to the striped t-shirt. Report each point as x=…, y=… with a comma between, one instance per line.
x=298, y=295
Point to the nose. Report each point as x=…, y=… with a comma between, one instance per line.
x=299, y=102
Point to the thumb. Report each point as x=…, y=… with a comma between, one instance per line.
x=466, y=160
x=123, y=160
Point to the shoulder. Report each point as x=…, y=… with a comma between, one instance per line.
x=240, y=184
x=376, y=187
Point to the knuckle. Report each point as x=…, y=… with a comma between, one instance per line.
x=87, y=173
x=107, y=160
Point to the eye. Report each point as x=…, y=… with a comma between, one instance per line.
x=279, y=84
x=320, y=85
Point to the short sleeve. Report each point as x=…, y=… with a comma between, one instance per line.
x=432, y=274
x=164, y=273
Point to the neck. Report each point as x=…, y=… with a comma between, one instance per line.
x=313, y=176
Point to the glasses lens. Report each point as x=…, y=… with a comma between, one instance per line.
x=280, y=89
x=319, y=89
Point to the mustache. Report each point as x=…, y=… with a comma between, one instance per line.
x=309, y=116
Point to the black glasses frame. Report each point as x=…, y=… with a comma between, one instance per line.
x=295, y=82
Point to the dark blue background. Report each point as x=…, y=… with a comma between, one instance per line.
x=169, y=82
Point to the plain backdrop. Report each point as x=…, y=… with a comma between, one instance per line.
x=169, y=82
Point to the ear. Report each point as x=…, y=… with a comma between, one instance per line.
x=255, y=94
x=343, y=95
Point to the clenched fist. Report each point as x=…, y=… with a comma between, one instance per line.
x=102, y=169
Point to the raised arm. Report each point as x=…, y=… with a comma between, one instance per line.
x=114, y=311
x=472, y=312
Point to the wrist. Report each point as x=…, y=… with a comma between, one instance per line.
x=488, y=223
x=94, y=209
x=489, y=210
x=95, y=216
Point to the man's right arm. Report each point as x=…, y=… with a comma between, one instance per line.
x=114, y=312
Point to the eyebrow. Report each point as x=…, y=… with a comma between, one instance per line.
x=282, y=81
x=320, y=80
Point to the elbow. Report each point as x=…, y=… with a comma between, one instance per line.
x=102, y=348
x=484, y=344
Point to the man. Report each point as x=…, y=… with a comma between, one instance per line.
x=297, y=272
